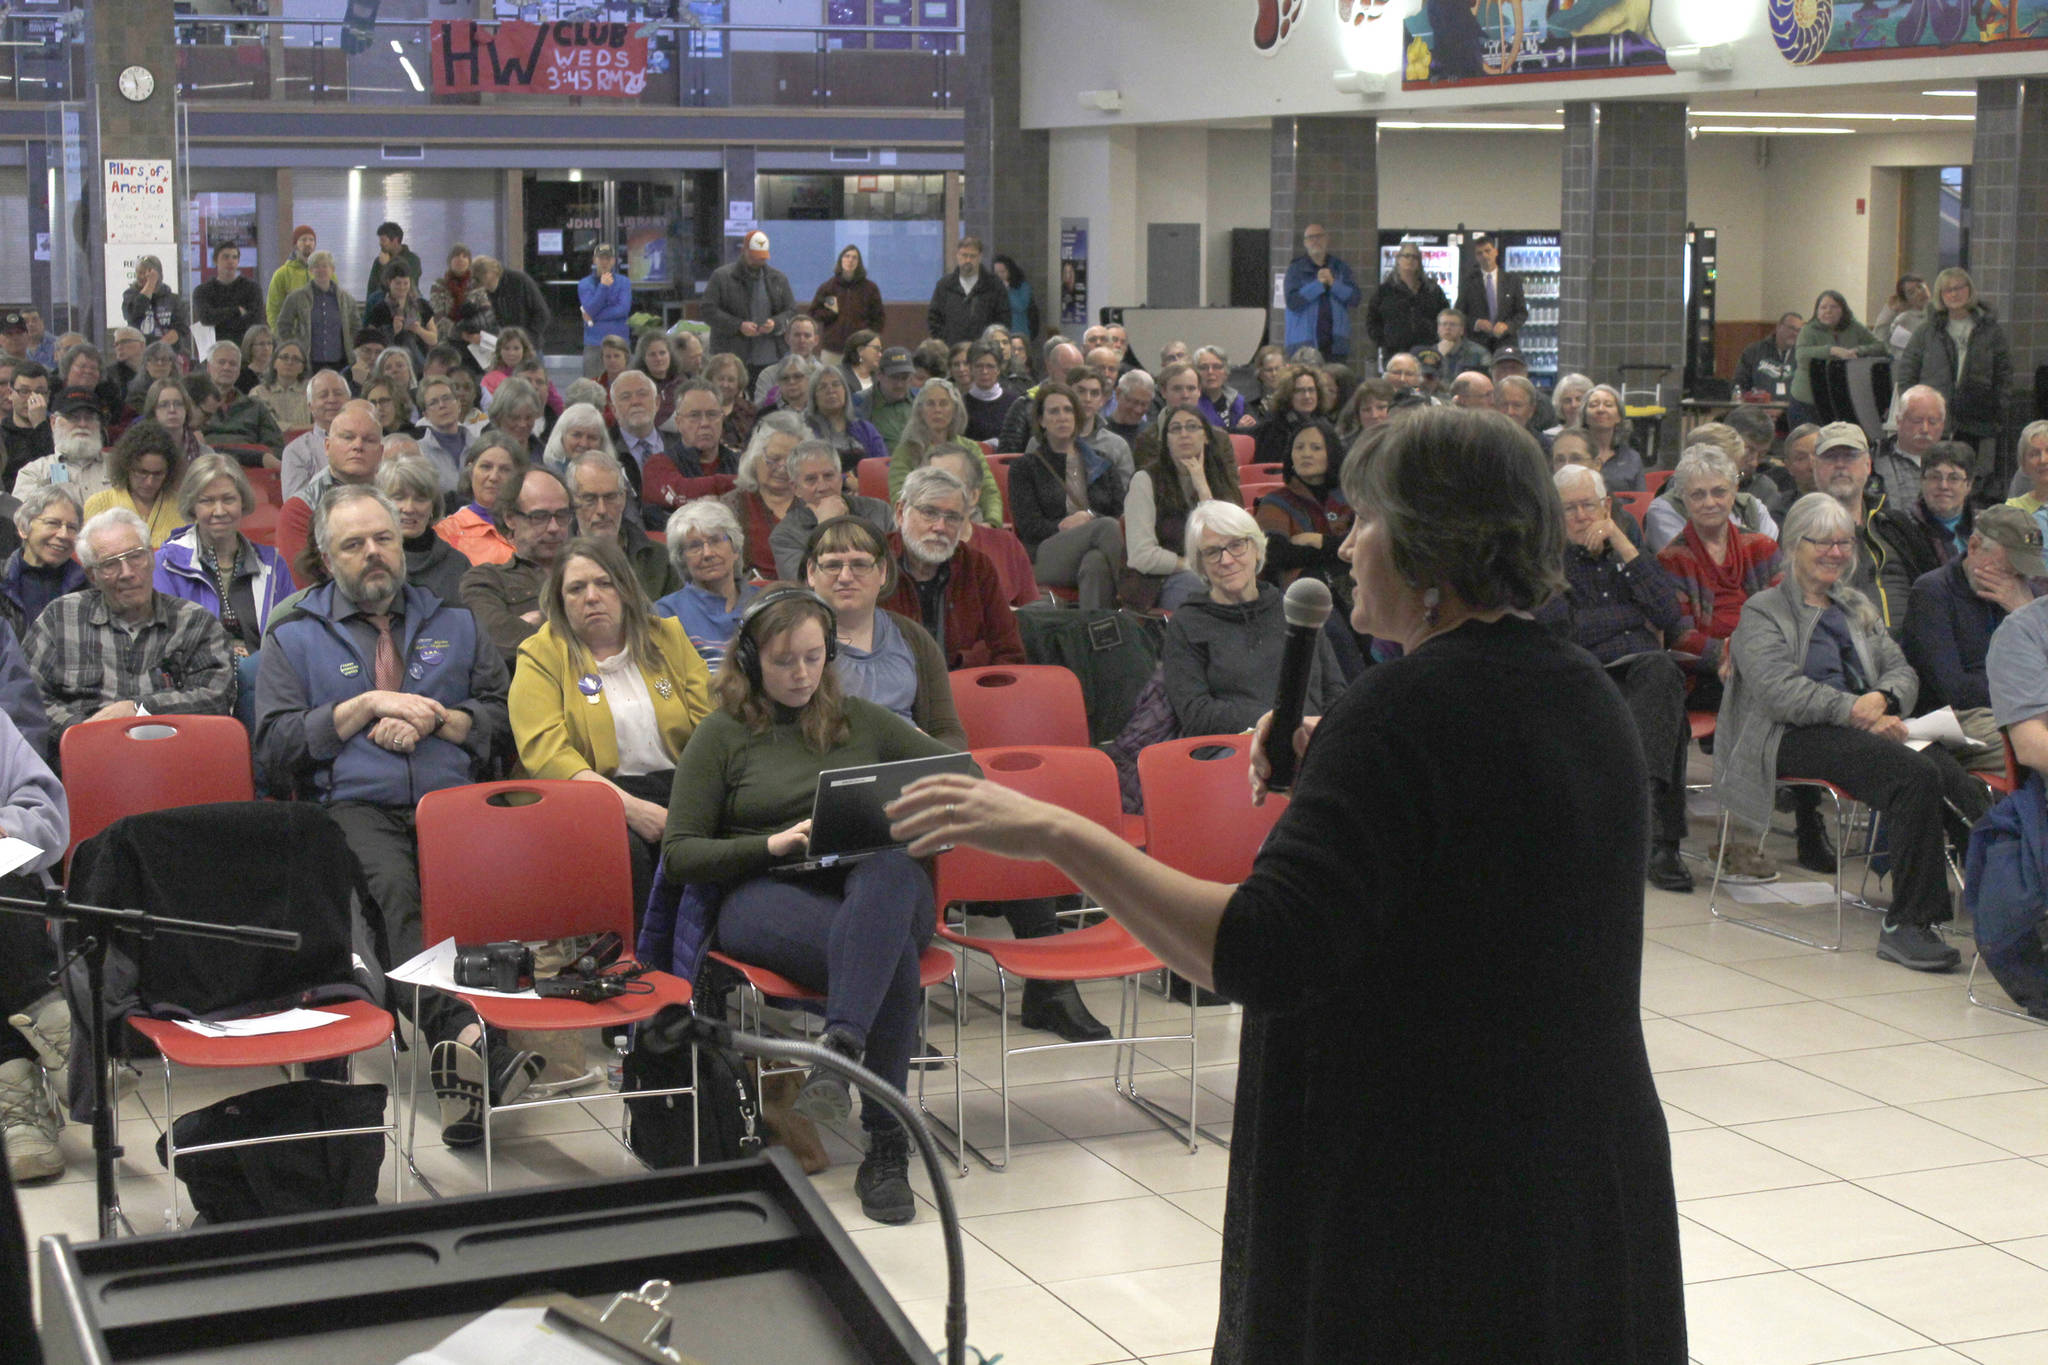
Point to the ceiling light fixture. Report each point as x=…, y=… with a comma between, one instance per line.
x=1470, y=126
x=1951, y=94
x=1759, y=130
x=1836, y=117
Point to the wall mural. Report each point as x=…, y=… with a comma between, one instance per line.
x=1864, y=30
x=1504, y=41
x=1273, y=21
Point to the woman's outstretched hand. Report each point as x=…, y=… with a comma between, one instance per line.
x=935, y=814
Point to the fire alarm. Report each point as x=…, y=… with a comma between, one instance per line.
x=1859, y=208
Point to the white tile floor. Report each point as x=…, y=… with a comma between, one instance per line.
x=1861, y=1163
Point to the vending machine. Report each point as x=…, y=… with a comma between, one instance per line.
x=1701, y=248
x=1535, y=256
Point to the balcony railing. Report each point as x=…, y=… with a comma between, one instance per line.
x=689, y=66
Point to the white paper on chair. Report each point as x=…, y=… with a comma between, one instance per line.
x=1783, y=893
x=16, y=854
x=435, y=969
x=263, y=1025
x=1939, y=727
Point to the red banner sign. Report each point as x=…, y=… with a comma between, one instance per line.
x=538, y=59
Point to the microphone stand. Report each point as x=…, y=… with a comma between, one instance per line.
x=680, y=1027
x=94, y=926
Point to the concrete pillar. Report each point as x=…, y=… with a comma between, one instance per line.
x=1621, y=298
x=2009, y=227
x=1093, y=175
x=132, y=33
x=1326, y=170
x=739, y=188
x=1007, y=166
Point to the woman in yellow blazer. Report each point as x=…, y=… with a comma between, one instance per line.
x=606, y=691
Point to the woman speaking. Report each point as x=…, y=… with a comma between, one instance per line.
x=1456, y=1155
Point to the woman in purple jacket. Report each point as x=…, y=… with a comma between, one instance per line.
x=210, y=561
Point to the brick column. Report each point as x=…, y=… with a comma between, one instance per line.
x=132, y=33
x=2009, y=227
x=1622, y=295
x=1007, y=166
x=1326, y=170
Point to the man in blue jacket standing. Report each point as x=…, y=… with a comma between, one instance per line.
x=1321, y=292
x=607, y=298
x=369, y=695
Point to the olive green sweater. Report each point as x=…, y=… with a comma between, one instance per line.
x=733, y=789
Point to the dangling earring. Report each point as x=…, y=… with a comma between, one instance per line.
x=1432, y=607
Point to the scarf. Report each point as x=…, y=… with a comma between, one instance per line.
x=223, y=579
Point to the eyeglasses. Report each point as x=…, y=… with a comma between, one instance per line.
x=1235, y=548
x=560, y=516
x=589, y=500
x=56, y=524
x=860, y=566
x=941, y=516
x=1838, y=547
x=706, y=545
x=114, y=565
x=1945, y=476
x=1583, y=506
x=444, y=397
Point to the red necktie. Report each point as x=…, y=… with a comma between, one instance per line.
x=387, y=653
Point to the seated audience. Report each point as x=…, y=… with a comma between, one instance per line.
x=282, y=388
x=821, y=496
x=964, y=461
x=514, y=348
x=1766, y=366
x=1901, y=457
x=937, y=415
x=1668, y=513
x=1305, y=522
x=882, y=657
x=210, y=561
x=791, y=391
x=1515, y=398
x=1601, y=415
x=887, y=404
x=1761, y=477
x=1716, y=565
x=505, y=596
x=1298, y=401
x=1065, y=500
x=832, y=419
x=35, y=1020
x=26, y=435
x=413, y=484
x=444, y=439
x=342, y=718
x=654, y=359
x=986, y=399
x=144, y=467
x=762, y=493
x=1223, y=647
x=608, y=692
x=946, y=585
x=580, y=428
x=2033, y=467
x=355, y=445
x=120, y=647
x=1920, y=536
x=516, y=411
x=854, y=933
x=1955, y=611
x=170, y=405
x=699, y=465
x=1798, y=462
x=1841, y=465
x=493, y=463
x=637, y=417
x=78, y=458
x=241, y=419
x=1820, y=690
x=43, y=569
x=1088, y=389
x=2002, y=897
x=1567, y=396
x=306, y=454
x=1131, y=411
x=727, y=375
x=601, y=496
x=1189, y=462
x=1221, y=404
x=709, y=550
x=1461, y=354
x=1620, y=605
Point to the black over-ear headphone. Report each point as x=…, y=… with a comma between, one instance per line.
x=747, y=649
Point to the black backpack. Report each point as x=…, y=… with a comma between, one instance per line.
x=728, y=1111
x=280, y=1178
x=1113, y=653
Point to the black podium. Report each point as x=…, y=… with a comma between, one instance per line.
x=761, y=1270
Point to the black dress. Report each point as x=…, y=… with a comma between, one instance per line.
x=1448, y=1147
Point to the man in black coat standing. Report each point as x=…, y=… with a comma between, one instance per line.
x=229, y=303
x=966, y=301
x=1490, y=298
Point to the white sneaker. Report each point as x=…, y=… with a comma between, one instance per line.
x=29, y=1123
x=47, y=1026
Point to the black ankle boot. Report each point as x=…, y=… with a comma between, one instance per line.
x=883, y=1180
x=1056, y=1007
x=1816, y=849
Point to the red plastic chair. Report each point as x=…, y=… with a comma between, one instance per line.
x=1638, y=503
x=261, y=525
x=1250, y=493
x=268, y=483
x=1271, y=469
x=1083, y=781
x=1200, y=806
x=123, y=767
x=1244, y=446
x=874, y=478
x=1655, y=479
x=1008, y=704
x=999, y=470
x=553, y=866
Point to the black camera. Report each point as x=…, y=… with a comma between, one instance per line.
x=504, y=967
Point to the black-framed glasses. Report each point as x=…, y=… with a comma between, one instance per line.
x=560, y=516
x=1237, y=547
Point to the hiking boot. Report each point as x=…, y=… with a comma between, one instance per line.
x=1916, y=946
x=1667, y=870
x=1816, y=849
x=29, y=1123
x=47, y=1026
x=883, y=1181
x=457, y=1071
x=825, y=1097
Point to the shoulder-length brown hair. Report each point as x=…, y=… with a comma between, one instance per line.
x=1219, y=462
x=634, y=609
x=823, y=720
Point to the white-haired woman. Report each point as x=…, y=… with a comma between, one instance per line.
x=414, y=483
x=1566, y=398
x=1603, y=418
x=1221, y=404
x=212, y=563
x=1820, y=690
x=578, y=430
x=44, y=569
x=709, y=550
x=1717, y=566
x=762, y=491
x=1223, y=647
x=792, y=390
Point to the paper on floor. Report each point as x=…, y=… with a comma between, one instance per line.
x=1783, y=893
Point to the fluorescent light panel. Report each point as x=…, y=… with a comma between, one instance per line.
x=1758, y=129
x=1863, y=118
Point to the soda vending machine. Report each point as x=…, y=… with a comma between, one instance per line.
x=1535, y=256
x=1701, y=248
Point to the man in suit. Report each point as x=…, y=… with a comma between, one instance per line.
x=1491, y=298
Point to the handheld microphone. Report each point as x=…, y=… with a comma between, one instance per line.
x=1307, y=606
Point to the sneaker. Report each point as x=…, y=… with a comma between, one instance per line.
x=1916, y=946
x=47, y=1026
x=29, y=1123
x=457, y=1072
x=883, y=1181
x=1744, y=866
x=825, y=1097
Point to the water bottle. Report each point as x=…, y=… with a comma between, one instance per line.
x=615, y=1070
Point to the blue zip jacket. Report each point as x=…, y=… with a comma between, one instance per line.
x=608, y=306
x=1305, y=291
x=437, y=651
x=2005, y=892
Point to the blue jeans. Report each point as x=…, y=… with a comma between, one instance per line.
x=854, y=935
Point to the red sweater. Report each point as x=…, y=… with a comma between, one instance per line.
x=980, y=627
x=1711, y=595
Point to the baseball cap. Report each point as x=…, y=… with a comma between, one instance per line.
x=13, y=321
x=76, y=400
x=896, y=360
x=1510, y=355
x=756, y=244
x=2020, y=536
x=1836, y=435
x=1431, y=361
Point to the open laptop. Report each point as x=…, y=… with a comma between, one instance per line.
x=847, y=820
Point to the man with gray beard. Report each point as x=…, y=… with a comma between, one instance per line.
x=79, y=460
x=951, y=588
